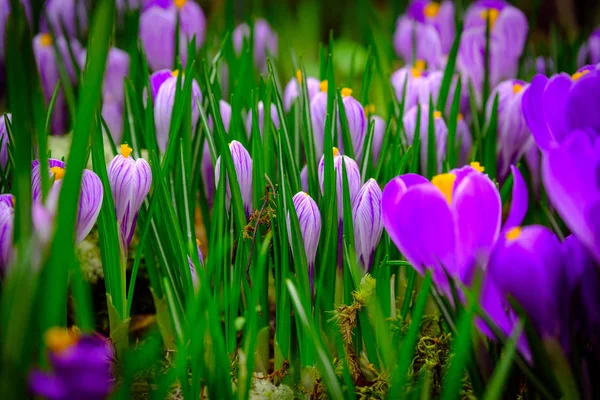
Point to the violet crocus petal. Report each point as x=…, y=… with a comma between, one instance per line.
x=554, y=105
x=4, y=141
x=7, y=213
x=378, y=135
x=130, y=182
x=293, y=91
x=265, y=41
x=440, y=128
x=353, y=175
x=117, y=69
x=71, y=14
x=419, y=222
x=519, y=202
x=112, y=112
x=208, y=175
x=243, y=169
x=309, y=219
x=46, y=385
x=528, y=268
x=90, y=202
x=157, y=34
x=36, y=183
x=447, y=30
x=477, y=213
x=357, y=125
x=583, y=103
x=318, y=114
x=533, y=112
x=512, y=26
x=157, y=79
x=304, y=178
x=570, y=176
x=261, y=118
x=368, y=222
x=428, y=43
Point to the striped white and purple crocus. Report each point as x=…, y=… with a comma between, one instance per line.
x=243, y=169
x=265, y=42
x=163, y=85
x=261, y=118
x=309, y=219
x=353, y=174
x=514, y=136
x=7, y=217
x=158, y=23
x=90, y=196
x=368, y=222
x=130, y=182
x=293, y=90
x=68, y=14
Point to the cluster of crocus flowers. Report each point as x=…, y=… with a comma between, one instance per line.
x=265, y=42
x=163, y=85
x=158, y=25
x=309, y=219
x=80, y=367
x=243, y=169
x=130, y=182
x=293, y=90
x=426, y=30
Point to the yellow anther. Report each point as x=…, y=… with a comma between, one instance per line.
x=175, y=73
x=369, y=109
x=46, y=39
x=59, y=339
x=336, y=152
x=58, y=173
x=460, y=117
x=476, y=166
x=445, y=183
x=517, y=88
x=490, y=15
x=437, y=114
x=323, y=86
x=198, y=242
x=579, y=74
x=299, y=76
x=346, y=92
x=126, y=150
x=513, y=233
x=421, y=64
x=180, y=3
x=306, y=194
x=432, y=9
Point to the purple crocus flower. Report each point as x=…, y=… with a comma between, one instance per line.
x=90, y=196
x=368, y=223
x=243, y=169
x=589, y=53
x=353, y=174
x=4, y=141
x=431, y=24
x=304, y=178
x=164, y=84
x=293, y=90
x=265, y=42
x=81, y=367
x=7, y=217
x=157, y=31
x=554, y=107
x=418, y=84
x=206, y=168
x=130, y=182
x=70, y=14
x=112, y=112
x=378, y=135
x=309, y=219
x=261, y=118
x=570, y=176
x=513, y=134
x=441, y=133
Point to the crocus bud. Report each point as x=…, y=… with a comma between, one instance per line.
x=225, y=110
x=261, y=118
x=90, y=196
x=130, y=182
x=318, y=114
x=293, y=89
x=440, y=130
x=514, y=136
x=164, y=85
x=70, y=14
x=309, y=219
x=117, y=69
x=7, y=217
x=378, y=133
x=206, y=168
x=4, y=141
x=353, y=174
x=463, y=136
x=265, y=42
x=157, y=31
x=589, y=53
x=304, y=178
x=243, y=169
x=112, y=112
x=368, y=223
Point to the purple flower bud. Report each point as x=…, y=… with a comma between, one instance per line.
x=440, y=129
x=243, y=169
x=90, y=196
x=157, y=31
x=463, y=136
x=514, y=136
x=71, y=14
x=293, y=90
x=4, y=141
x=130, y=182
x=309, y=219
x=164, y=84
x=261, y=118
x=117, y=69
x=225, y=110
x=265, y=42
x=589, y=53
x=304, y=178
x=378, y=134
x=353, y=174
x=318, y=114
x=112, y=112
x=7, y=217
x=206, y=168
x=368, y=223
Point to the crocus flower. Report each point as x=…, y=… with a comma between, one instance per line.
x=570, y=176
x=81, y=367
x=368, y=223
x=353, y=174
x=589, y=53
x=112, y=112
x=206, y=168
x=513, y=134
x=265, y=42
x=130, y=182
x=90, y=196
x=431, y=25
x=243, y=169
x=70, y=14
x=508, y=32
x=304, y=178
x=440, y=128
x=309, y=219
x=157, y=31
x=164, y=85
x=293, y=89
x=417, y=82
x=4, y=141
x=554, y=107
x=379, y=127
x=7, y=217
x=261, y=118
